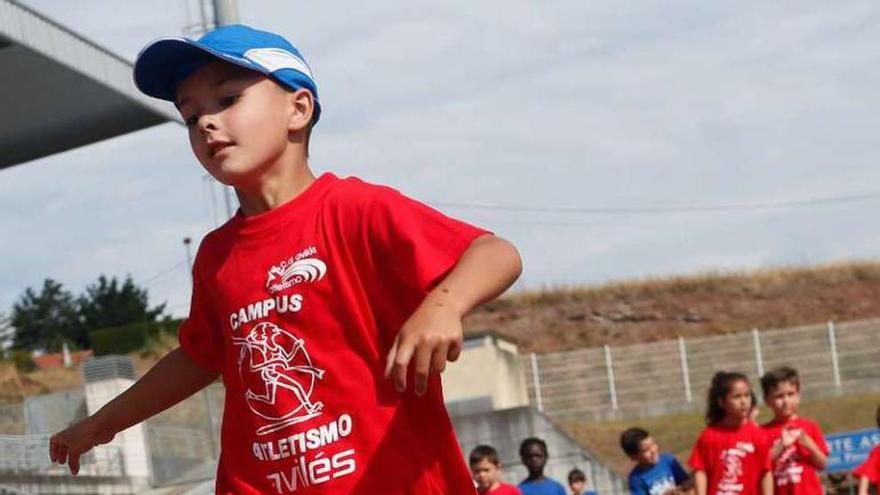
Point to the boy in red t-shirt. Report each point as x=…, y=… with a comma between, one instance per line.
x=869, y=471
x=318, y=302
x=486, y=469
x=798, y=448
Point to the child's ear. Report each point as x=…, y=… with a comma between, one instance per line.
x=302, y=107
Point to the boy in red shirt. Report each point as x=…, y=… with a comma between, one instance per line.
x=486, y=468
x=318, y=302
x=869, y=471
x=798, y=447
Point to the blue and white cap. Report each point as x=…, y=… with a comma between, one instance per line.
x=164, y=63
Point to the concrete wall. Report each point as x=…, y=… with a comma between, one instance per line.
x=672, y=376
x=489, y=367
x=132, y=443
x=505, y=429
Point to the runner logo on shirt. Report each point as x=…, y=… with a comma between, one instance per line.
x=731, y=482
x=301, y=267
x=278, y=377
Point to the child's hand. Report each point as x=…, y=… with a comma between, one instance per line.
x=790, y=436
x=68, y=445
x=431, y=336
x=806, y=441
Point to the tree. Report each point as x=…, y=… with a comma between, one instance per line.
x=44, y=321
x=107, y=303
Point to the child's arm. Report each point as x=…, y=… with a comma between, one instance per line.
x=174, y=378
x=864, y=485
x=686, y=486
x=817, y=458
x=433, y=333
x=767, y=483
x=701, y=482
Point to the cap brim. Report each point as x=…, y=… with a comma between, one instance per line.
x=164, y=63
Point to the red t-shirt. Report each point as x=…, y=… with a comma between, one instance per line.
x=503, y=489
x=793, y=474
x=734, y=459
x=870, y=468
x=298, y=308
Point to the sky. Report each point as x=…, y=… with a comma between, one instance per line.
x=606, y=140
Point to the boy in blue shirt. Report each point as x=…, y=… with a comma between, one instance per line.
x=533, y=453
x=655, y=473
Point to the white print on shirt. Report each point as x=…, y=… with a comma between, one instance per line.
x=786, y=470
x=294, y=270
x=304, y=441
x=278, y=376
x=261, y=309
x=731, y=479
x=305, y=473
x=662, y=486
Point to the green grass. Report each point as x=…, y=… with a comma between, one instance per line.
x=677, y=433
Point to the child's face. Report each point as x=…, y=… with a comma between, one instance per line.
x=649, y=452
x=577, y=486
x=486, y=474
x=784, y=400
x=737, y=404
x=534, y=459
x=237, y=121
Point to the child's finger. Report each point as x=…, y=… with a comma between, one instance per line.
x=389, y=360
x=454, y=351
x=438, y=359
x=73, y=461
x=400, y=363
x=57, y=452
x=422, y=367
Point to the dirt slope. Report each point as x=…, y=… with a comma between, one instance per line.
x=662, y=308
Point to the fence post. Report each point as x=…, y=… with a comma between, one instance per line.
x=609, y=367
x=685, y=371
x=759, y=356
x=835, y=365
x=536, y=380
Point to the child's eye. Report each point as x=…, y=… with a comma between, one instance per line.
x=229, y=100
x=191, y=121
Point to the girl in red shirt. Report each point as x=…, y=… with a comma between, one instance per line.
x=731, y=456
x=869, y=472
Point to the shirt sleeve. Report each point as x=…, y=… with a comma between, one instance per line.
x=418, y=244
x=697, y=459
x=871, y=467
x=816, y=433
x=678, y=472
x=199, y=335
x=636, y=486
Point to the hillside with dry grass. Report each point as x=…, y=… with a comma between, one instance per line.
x=651, y=309
x=618, y=313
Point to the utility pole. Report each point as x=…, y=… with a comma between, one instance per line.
x=186, y=242
x=225, y=12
